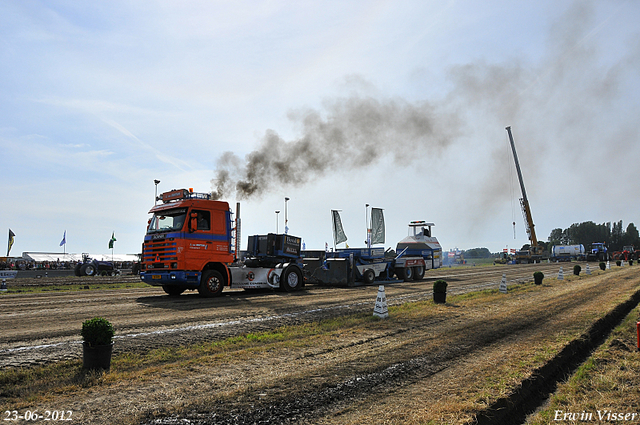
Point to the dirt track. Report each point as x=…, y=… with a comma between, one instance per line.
x=409, y=374
x=37, y=328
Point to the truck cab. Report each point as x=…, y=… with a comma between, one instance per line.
x=188, y=243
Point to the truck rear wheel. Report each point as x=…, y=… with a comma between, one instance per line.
x=418, y=273
x=211, y=284
x=291, y=279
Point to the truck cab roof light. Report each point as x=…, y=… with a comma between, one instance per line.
x=180, y=194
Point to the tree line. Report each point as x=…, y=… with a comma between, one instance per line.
x=612, y=234
x=588, y=232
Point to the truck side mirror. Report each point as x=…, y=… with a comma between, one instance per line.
x=193, y=222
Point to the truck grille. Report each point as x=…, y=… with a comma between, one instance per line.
x=156, y=254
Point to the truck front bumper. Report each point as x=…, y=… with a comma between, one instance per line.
x=183, y=278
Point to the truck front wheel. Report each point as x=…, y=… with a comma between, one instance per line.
x=211, y=284
x=291, y=279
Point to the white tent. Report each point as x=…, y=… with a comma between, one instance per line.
x=39, y=257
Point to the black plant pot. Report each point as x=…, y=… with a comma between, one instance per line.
x=439, y=297
x=98, y=357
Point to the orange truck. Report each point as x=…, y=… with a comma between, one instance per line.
x=192, y=244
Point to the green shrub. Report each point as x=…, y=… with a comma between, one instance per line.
x=537, y=277
x=618, y=263
x=97, y=331
x=577, y=269
x=602, y=265
x=440, y=286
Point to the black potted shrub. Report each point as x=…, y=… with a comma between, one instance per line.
x=618, y=262
x=631, y=262
x=440, y=291
x=537, y=278
x=576, y=270
x=97, y=344
x=602, y=265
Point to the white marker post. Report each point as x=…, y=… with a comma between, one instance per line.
x=380, y=309
x=588, y=270
x=560, y=274
x=503, y=284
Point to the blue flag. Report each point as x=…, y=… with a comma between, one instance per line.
x=64, y=238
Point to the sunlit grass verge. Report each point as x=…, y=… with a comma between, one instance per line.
x=605, y=384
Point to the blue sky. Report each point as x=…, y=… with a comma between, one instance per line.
x=98, y=99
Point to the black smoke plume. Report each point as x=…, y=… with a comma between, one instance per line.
x=355, y=132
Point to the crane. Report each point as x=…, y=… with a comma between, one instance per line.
x=534, y=253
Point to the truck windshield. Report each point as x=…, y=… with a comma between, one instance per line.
x=163, y=221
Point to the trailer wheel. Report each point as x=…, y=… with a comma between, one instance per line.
x=368, y=276
x=291, y=279
x=405, y=273
x=211, y=284
x=418, y=273
x=172, y=290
